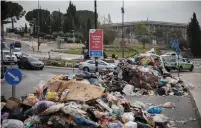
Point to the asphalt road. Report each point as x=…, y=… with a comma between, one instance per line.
x=31, y=80
x=25, y=47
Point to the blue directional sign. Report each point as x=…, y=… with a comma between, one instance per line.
x=175, y=43
x=13, y=76
x=96, y=53
x=178, y=51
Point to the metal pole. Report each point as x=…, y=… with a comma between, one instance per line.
x=122, y=10
x=38, y=24
x=178, y=65
x=95, y=11
x=2, y=61
x=13, y=87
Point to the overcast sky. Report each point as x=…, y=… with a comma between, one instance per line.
x=170, y=11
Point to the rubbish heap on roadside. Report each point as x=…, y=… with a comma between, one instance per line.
x=144, y=74
x=88, y=101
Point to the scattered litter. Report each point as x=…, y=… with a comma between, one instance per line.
x=89, y=100
x=168, y=105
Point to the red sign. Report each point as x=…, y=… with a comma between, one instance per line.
x=96, y=40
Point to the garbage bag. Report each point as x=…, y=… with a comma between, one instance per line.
x=138, y=104
x=131, y=124
x=81, y=121
x=12, y=123
x=86, y=75
x=168, y=105
x=53, y=109
x=128, y=90
x=128, y=116
x=94, y=81
x=160, y=118
x=42, y=106
x=118, y=124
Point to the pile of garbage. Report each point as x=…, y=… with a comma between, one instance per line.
x=68, y=101
x=144, y=74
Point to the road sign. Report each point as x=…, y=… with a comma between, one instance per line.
x=13, y=76
x=95, y=42
x=175, y=43
x=178, y=50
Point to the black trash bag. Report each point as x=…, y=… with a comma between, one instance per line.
x=161, y=91
x=86, y=75
x=16, y=113
x=28, y=113
x=45, y=119
x=3, y=99
x=94, y=81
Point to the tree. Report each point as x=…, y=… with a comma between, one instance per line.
x=57, y=20
x=25, y=28
x=193, y=35
x=144, y=40
x=70, y=22
x=159, y=34
x=43, y=21
x=142, y=34
x=141, y=29
x=11, y=10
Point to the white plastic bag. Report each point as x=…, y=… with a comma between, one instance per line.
x=128, y=116
x=128, y=90
x=131, y=124
x=160, y=118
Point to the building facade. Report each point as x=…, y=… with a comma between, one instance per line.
x=151, y=25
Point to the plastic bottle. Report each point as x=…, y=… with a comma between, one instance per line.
x=154, y=110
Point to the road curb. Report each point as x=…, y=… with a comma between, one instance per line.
x=60, y=67
x=195, y=106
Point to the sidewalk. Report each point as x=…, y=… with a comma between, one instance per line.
x=195, y=79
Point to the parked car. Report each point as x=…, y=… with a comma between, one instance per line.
x=171, y=63
x=29, y=62
x=17, y=52
x=9, y=58
x=17, y=45
x=90, y=66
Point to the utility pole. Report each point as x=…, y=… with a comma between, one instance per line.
x=95, y=11
x=38, y=25
x=123, y=44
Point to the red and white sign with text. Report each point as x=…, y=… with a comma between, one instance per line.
x=95, y=42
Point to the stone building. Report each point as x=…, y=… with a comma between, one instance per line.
x=151, y=25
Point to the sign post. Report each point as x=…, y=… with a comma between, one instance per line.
x=96, y=44
x=13, y=77
x=175, y=44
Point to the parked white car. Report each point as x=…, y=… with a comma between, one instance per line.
x=17, y=52
x=7, y=58
x=90, y=66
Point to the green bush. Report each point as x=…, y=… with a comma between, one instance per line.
x=61, y=34
x=55, y=34
x=113, y=55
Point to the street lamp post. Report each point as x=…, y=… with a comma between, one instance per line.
x=122, y=11
x=95, y=11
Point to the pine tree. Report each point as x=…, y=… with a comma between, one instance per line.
x=194, y=37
